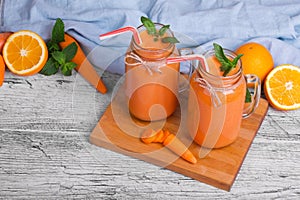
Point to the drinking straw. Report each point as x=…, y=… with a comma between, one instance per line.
x=199, y=57
x=132, y=29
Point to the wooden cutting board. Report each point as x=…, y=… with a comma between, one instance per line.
x=119, y=132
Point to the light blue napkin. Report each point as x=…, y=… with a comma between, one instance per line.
x=275, y=24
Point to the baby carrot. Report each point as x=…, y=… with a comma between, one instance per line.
x=84, y=67
x=150, y=136
x=170, y=141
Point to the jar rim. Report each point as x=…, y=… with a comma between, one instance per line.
x=228, y=53
x=220, y=81
x=170, y=46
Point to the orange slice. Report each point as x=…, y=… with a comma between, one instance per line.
x=25, y=53
x=282, y=87
x=2, y=70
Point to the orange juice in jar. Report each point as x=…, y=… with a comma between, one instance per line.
x=215, y=121
x=151, y=85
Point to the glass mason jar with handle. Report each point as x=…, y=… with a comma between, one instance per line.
x=216, y=103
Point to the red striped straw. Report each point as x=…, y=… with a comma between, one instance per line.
x=132, y=29
x=199, y=57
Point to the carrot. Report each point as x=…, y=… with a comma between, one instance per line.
x=2, y=70
x=3, y=38
x=170, y=141
x=84, y=67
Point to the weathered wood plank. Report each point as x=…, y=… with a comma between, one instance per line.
x=42, y=164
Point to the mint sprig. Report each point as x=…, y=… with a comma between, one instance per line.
x=227, y=65
x=149, y=25
x=59, y=58
x=248, y=96
x=157, y=34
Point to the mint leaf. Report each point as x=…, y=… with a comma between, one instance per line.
x=248, y=96
x=236, y=59
x=163, y=30
x=50, y=67
x=70, y=51
x=221, y=56
x=67, y=68
x=70, y=65
x=149, y=25
x=65, y=71
x=59, y=57
x=169, y=40
x=52, y=46
x=58, y=31
x=226, y=68
x=226, y=64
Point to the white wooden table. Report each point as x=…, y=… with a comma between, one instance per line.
x=45, y=123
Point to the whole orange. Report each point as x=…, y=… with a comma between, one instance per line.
x=256, y=59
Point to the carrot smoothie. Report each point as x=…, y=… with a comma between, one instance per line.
x=215, y=121
x=151, y=84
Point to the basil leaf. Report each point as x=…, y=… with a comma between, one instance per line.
x=58, y=31
x=163, y=29
x=169, y=40
x=248, y=96
x=149, y=25
x=70, y=51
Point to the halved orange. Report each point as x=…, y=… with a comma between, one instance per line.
x=25, y=53
x=2, y=70
x=282, y=87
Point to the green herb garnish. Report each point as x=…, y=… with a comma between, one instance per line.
x=157, y=34
x=149, y=25
x=163, y=30
x=169, y=40
x=248, y=96
x=227, y=65
x=59, y=58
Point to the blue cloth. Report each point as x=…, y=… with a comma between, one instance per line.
x=273, y=23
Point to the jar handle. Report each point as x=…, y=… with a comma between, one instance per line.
x=189, y=65
x=254, y=87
